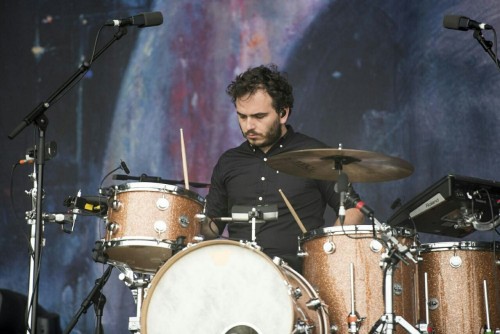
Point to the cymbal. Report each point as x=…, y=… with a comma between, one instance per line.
x=327, y=163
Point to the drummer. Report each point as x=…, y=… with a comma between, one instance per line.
x=263, y=99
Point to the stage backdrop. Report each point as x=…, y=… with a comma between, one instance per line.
x=382, y=76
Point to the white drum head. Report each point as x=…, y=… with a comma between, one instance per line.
x=215, y=287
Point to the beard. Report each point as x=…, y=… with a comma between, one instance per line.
x=266, y=139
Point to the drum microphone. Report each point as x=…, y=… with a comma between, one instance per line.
x=341, y=187
x=123, y=165
x=92, y=205
x=361, y=206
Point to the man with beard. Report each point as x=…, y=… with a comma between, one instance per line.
x=263, y=99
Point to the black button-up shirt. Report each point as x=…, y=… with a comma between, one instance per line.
x=243, y=177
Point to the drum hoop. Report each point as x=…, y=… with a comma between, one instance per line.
x=349, y=229
x=138, y=241
x=460, y=245
x=160, y=187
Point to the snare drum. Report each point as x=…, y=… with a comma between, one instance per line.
x=147, y=222
x=329, y=253
x=225, y=287
x=456, y=275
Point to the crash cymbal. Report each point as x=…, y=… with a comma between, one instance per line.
x=326, y=164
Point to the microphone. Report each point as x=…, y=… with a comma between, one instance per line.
x=89, y=204
x=361, y=206
x=124, y=167
x=342, y=186
x=463, y=23
x=141, y=20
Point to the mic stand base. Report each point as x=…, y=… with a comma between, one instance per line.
x=94, y=297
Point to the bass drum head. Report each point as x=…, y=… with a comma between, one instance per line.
x=218, y=287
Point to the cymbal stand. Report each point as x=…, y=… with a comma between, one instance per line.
x=390, y=259
x=138, y=284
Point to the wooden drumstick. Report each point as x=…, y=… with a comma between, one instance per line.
x=184, y=162
x=294, y=214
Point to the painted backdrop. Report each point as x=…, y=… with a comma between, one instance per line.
x=382, y=76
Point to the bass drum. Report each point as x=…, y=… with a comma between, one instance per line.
x=226, y=287
x=457, y=274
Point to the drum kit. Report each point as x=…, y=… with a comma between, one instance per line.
x=356, y=278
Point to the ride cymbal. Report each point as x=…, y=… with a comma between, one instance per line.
x=327, y=163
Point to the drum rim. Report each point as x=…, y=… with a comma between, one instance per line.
x=349, y=229
x=459, y=245
x=159, y=187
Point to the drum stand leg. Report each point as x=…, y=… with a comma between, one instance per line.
x=138, y=284
x=386, y=323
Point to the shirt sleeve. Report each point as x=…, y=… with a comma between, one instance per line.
x=216, y=199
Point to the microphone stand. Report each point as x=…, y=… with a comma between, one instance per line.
x=95, y=297
x=478, y=35
x=41, y=121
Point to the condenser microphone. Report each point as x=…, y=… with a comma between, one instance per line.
x=463, y=23
x=141, y=20
x=124, y=167
x=342, y=187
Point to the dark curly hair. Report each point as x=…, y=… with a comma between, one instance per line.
x=265, y=77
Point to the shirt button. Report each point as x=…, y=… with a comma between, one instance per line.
x=277, y=171
x=263, y=178
x=281, y=145
x=260, y=198
x=265, y=159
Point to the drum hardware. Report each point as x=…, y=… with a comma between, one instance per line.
x=425, y=327
x=394, y=253
x=487, y=308
x=254, y=215
x=138, y=284
x=95, y=297
x=353, y=319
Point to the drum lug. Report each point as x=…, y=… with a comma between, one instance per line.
x=303, y=327
x=296, y=293
x=162, y=204
x=160, y=226
x=329, y=247
x=314, y=304
x=112, y=227
x=116, y=205
x=455, y=261
x=375, y=246
x=198, y=238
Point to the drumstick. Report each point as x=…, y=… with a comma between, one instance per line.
x=184, y=162
x=294, y=214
